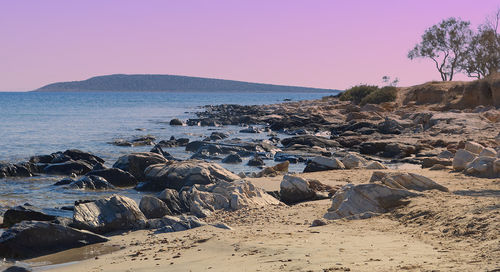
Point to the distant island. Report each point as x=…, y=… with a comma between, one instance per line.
x=121, y=82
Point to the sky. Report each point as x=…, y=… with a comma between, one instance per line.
x=325, y=44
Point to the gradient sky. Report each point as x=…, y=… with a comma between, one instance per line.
x=326, y=44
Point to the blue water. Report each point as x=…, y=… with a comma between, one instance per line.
x=42, y=123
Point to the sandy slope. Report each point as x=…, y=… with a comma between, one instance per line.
x=456, y=231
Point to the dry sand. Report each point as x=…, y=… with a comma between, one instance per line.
x=456, y=231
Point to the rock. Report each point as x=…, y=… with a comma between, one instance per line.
x=99, y=166
x=446, y=155
x=33, y=238
x=375, y=165
x=41, y=158
x=310, y=141
x=438, y=167
x=136, y=163
x=174, y=223
x=278, y=169
x=462, y=158
x=173, y=201
x=16, y=268
x=215, y=136
x=176, y=122
x=233, y=158
x=91, y=183
x=296, y=189
x=488, y=152
x=205, y=199
x=64, y=181
x=115, y=213
x=77, y=155
x=250, y=129
x=17, y=214
x=153, y=207
x=365, y=200
x=323, y=164
x=429, y=162
x=473, y=147
x=184, y=173
x=67, y=168
x=352, y=161
x=221, y=226
x=484, y=167
x=408, y=181
x=120, y=142
x=389, y=126
x=115, y=176
x=256, y=161
x=319, y=222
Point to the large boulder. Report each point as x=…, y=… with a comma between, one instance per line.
x=115, y=176
x=485, y=167
x=205, y=199
x=295, y=189
x=256, y=161
x=390, y=126
x=352, y=161
x=408, y=181
x=232, y=158
x=76, y=155
x=67, y=168
x=176, y=122
x=310, y=141
x=488, y=152
x=115, y=213
x=136, y=163
x=184, y=173
x=473, y=147
x=34, y=238
x=323, y=164
x=153, y=207
x=431, y=161
x=375, y=165
x=462, y=159
x=172, y=199
x=16, y=170
x=365, y=200
x=18, y=214
x=91, y=183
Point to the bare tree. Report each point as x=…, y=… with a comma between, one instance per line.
x=445, y=44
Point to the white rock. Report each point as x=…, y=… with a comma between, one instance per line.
x=408, y=181
x=352, y=161
x=361, y=201
x=488, y=152
x=296, y=189
x=462, y=158
x=323, y=163
x=375, y=165
x=473, y=147
x=485, y=167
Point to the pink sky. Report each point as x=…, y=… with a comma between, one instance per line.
x=325, y=44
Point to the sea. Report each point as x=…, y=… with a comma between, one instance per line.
x=34, y=123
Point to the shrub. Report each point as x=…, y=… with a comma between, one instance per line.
x=385, y=94
x=357, y=93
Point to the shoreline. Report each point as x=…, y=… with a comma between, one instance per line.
x=426, y=232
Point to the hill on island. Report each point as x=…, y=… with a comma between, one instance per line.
x=122, y=82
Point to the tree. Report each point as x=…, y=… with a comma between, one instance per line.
x=446, y=45
x=483, y=51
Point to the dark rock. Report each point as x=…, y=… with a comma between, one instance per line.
x=176, y=122
x=250, y=129
x=390, y=126
x=215, y=136
x=173, y=201
x=323, y=164
x=67, y=168
x=429, y=162
x=256, y=161
x=64, y=181
x=159, y=150
x=60, y=158
x=121, y=142
x=153, y=207
x=115, y=176
x=41, y=159
x=33, y=238
x=16, y=268
x=296, y=189
x=99, y=166
x=14, y=170
x=310, y=141
x=76, y=155
x=20, y=213
x=136, y=163
x=91, y=183
x=233, y=158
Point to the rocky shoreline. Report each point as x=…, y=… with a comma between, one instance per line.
x=328, y=136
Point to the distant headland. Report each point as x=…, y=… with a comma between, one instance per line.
x=122, y=82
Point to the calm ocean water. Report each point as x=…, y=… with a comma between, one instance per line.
x=42, y=123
